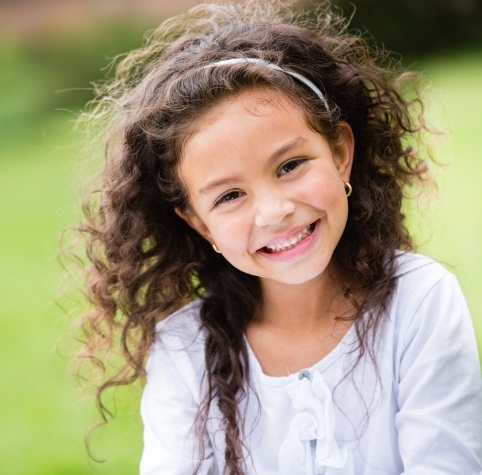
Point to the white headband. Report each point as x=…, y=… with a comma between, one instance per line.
x=298, y=76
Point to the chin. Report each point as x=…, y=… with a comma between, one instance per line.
x=298, y=279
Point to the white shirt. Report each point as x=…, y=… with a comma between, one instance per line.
x=421, y=415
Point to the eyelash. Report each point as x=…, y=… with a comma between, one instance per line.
x=227, y=197
x=296, y=162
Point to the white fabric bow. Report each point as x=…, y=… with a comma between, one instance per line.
x=310, y=447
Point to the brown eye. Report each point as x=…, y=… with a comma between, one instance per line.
x=230, y=196
x=288, y=167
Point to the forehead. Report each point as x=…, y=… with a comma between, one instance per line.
x=256, y=102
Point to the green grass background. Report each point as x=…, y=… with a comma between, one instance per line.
x=42, y=418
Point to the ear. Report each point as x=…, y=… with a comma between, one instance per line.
x=343, y=151
x=191, y=218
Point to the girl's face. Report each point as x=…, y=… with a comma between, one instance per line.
x=266, y=188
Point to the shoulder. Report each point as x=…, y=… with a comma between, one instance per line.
x=428, y=308
x=182, y=328
x=177, y=353
x=416, y=267
x=172, y=395
x=420, y=278
x=427, y=303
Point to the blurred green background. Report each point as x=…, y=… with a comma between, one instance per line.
x=50, y=52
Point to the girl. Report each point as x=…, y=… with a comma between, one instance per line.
x=248, y=237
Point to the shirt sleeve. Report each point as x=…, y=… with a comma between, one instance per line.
x=168, y=410
x=439, y=421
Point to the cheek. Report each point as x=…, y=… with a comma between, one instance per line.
x=325, y=192
x=230, y=232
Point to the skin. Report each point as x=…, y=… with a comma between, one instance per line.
x=269, y=191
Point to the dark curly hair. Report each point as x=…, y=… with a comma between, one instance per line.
x=145, y=261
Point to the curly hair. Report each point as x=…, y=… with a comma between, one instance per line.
x=145, y=261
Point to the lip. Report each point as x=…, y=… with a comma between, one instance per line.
x=300, y=248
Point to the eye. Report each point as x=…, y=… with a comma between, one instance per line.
x=289, y=166
x=227, y=197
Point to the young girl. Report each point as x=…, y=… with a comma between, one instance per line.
x=248, y=238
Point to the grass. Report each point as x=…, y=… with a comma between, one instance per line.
x=43, y=420
x=454, y=218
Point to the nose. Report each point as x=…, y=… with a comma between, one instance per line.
x=272, y=209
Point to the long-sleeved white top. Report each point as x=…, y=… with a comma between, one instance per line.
x=418, y=412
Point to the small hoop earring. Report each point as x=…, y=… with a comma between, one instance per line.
x=348, y=188
x=216, y=248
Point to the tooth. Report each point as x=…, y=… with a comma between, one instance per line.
x=291, y=242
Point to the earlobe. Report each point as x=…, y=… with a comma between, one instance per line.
x=193, y=220
x=344, y=150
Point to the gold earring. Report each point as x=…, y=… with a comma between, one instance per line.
x=216, y=248
x=348, y=188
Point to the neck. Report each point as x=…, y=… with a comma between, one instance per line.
x=302, y=306
x=296, y=326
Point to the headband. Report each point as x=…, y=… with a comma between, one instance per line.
x=297, y=76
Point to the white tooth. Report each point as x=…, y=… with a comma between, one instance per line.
x=291, y=242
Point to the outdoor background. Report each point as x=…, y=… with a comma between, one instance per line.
x=50, y=51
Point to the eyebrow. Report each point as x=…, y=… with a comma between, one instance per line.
x=272, y=159
x=217, y=183
x=284, y=149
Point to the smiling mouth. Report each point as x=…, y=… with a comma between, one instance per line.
x=290, y=243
